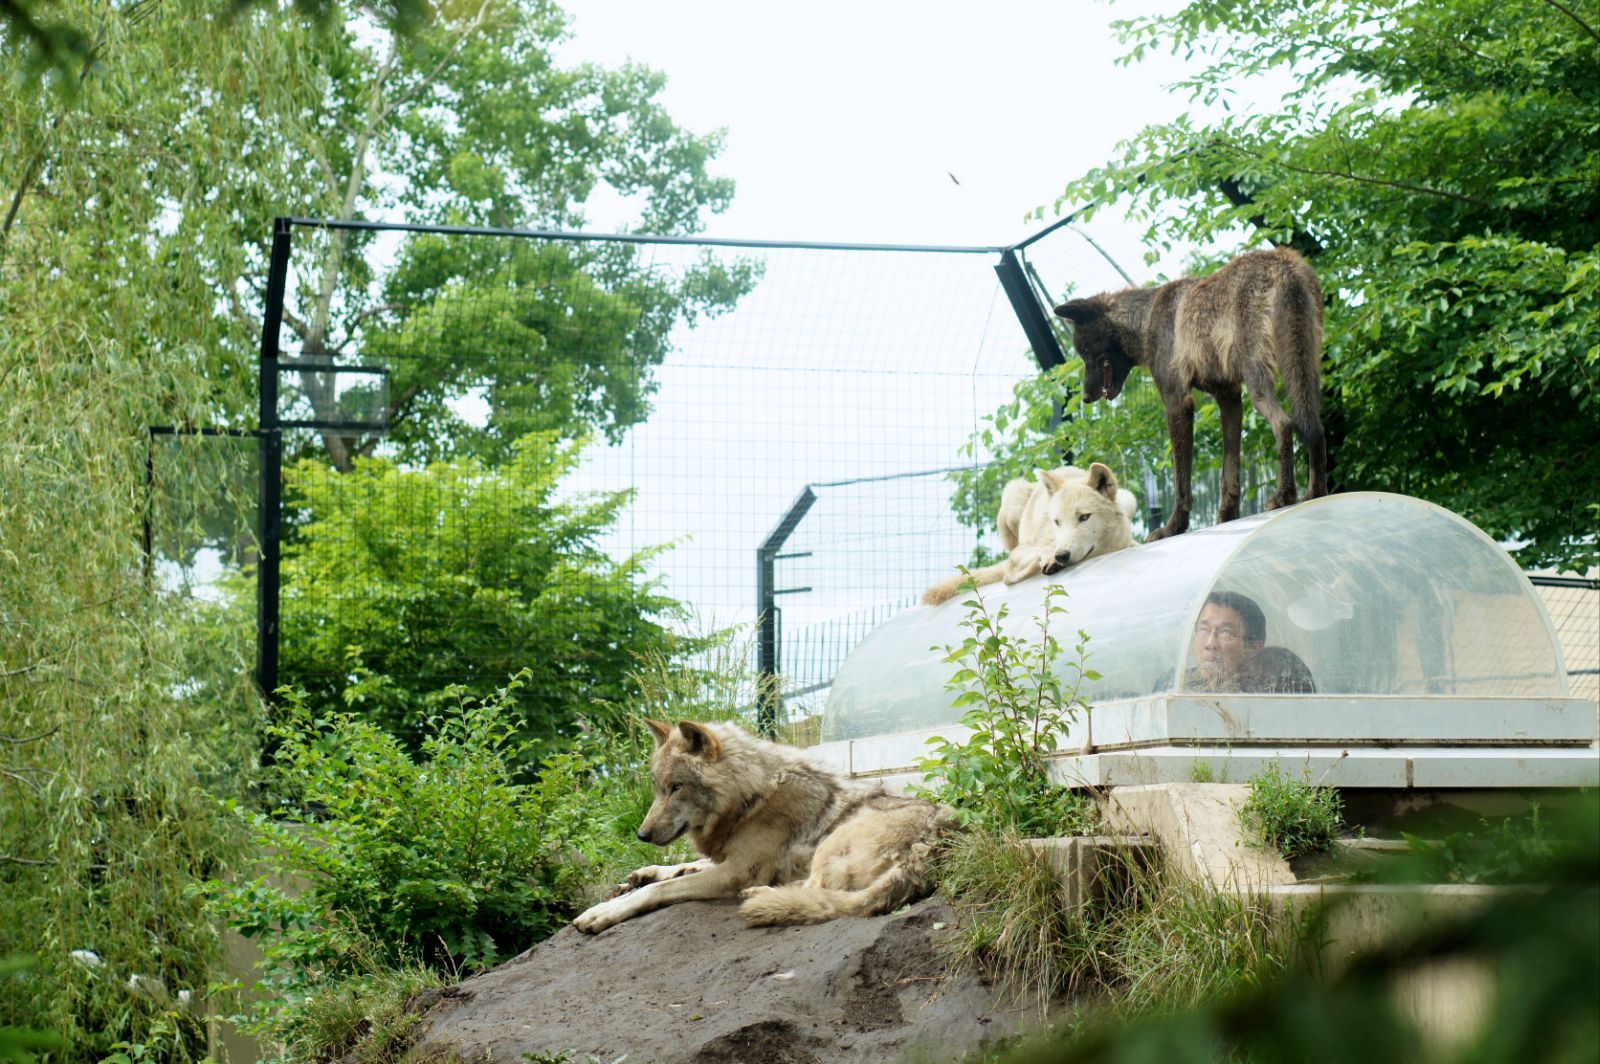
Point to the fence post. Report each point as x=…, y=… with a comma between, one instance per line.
x=769, y=698
x=1025, y=305
x=271, y=499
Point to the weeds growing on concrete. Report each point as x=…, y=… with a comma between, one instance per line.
x=1293, y=816
x=1018, y=708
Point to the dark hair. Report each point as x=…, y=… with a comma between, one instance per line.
x=1255, y=622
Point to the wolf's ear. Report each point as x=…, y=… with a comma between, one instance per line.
x=1051, y=480
x=1080, y=310
x=701, y=741
x=658, y=729
x=1103, y=480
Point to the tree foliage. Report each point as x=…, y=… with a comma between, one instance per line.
x=407, y=581
x=1440, y=163
x=141, y=164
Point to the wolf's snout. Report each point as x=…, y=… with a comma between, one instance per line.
x=642, y=835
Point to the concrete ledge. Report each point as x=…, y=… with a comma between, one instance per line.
x=1090, y=866
x=1197, y=828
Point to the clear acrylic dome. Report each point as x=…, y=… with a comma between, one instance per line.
x=1362, y=594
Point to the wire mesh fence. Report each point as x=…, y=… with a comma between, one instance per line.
x=1574, y=606
x=507, y=451
x=485, y=452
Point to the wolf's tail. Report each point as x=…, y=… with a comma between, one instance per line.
x=799, y=903
x=945, y=590
x=1301, y=366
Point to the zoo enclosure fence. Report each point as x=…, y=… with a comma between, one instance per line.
x=803, y=402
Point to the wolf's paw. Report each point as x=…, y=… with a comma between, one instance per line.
x=755, y=892
x=648, y=874
x=597, y=918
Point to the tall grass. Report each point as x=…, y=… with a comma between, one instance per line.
x=1143, y=940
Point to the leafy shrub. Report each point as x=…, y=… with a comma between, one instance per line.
x=1017, y=708
x=1294, y=817
x=446, y=857
x=414, y=580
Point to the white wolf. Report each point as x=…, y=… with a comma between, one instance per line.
x=1061, y=519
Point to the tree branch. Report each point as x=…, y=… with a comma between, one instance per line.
x=1405, y=186
x=1299, y=239
x=1574, y=17
x=30, y=738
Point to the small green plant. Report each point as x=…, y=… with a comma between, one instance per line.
x=1293, y=816
x=1017, y=708
x=1516, y=850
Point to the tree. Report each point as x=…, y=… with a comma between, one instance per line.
x=1441, y=165
x=134, y=213
x=405, y=581
x=468, y=120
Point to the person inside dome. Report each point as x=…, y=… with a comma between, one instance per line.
x=1230, y=651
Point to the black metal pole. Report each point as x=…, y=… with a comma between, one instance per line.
x=268, y=575
x=1025, y=305
x=769, y=698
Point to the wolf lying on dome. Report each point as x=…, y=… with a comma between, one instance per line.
x=1061, y=519
x=799, y=843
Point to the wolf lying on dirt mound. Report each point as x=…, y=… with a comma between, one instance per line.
x=799, y=843
x=1254, y=320
x=1064, y=517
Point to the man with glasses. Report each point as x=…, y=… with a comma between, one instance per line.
x=1230, y=652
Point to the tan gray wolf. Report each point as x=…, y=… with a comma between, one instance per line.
x=1257, y=318
x=799, y=843
x=1064, y=517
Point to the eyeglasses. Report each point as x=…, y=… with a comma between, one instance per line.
x=1223, y=633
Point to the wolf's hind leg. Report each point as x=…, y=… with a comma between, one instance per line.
x=1264, y=397
x=1231, y=409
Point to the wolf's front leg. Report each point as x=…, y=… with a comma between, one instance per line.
x=721, y=880
x=656, y=873
x=1024, y=563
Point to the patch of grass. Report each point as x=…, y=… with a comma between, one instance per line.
x=1144, y=941
x=1169, y=944
x=1293, y=816
x=1013, y=923
x=357, y=1019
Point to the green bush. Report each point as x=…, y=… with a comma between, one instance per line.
x=1294, y=817
x=1017, y=708
x=412, y=581
x=446, y=857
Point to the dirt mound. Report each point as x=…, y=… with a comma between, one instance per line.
x=692, y=983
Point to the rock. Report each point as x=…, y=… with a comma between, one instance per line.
x=692, y=983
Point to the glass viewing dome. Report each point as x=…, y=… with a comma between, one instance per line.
x=1360, y=594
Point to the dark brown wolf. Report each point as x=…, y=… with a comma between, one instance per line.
x=1254, y=320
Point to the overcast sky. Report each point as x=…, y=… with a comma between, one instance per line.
x=856, y=120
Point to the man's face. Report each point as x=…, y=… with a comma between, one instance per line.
x=1219, y=640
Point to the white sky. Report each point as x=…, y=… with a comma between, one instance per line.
x=846, y=118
